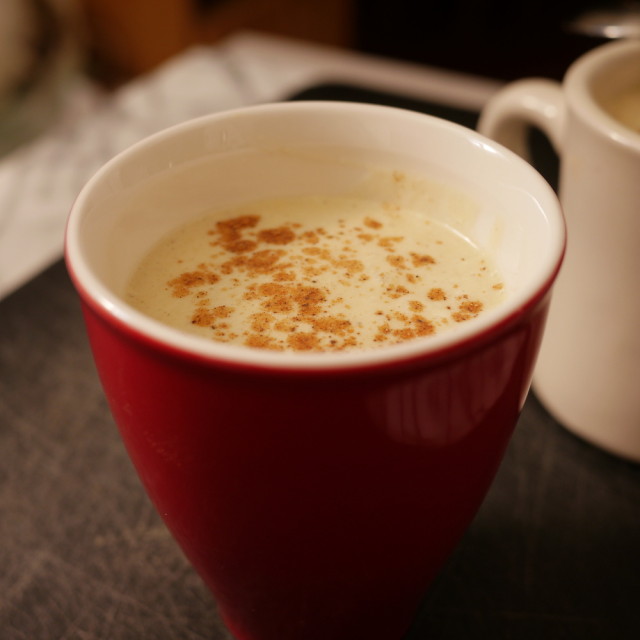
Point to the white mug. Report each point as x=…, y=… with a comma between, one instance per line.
x=588, y=372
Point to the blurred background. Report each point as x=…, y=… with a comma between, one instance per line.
x=44, y=42
x=123, y=38
x=499, y=38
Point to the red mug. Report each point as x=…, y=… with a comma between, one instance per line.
x=318, y=495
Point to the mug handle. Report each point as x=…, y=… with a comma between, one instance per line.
x=508, y=114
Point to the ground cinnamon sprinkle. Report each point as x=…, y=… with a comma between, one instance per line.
x=467, y=310
x=421, y=260
x=258, y=262
x=397, y=261
x=286, y=275
x=231, y=230
x=437, y=294
x=186, y=282
x=335, y=325
x=389, y=243
x=422, y=326
x=208, y=317
x=303, y=341
x=262, y=342
x=397, y=291
x=241, y=246
x=281, y=235
x=261, y=322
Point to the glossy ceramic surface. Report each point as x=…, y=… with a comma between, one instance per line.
x=589, y=365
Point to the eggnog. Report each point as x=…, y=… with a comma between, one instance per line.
x=315, y=273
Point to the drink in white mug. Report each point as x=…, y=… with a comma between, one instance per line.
x=625, y=107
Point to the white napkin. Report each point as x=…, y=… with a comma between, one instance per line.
x=39, y=182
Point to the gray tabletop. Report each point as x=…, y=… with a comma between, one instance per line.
x=553, y=553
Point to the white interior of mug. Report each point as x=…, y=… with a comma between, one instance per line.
x=599, y=76
x=308, y=148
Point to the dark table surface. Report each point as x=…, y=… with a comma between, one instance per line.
x=554, y=552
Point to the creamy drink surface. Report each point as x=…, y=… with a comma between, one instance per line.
x=312, y=273
x=625, y=108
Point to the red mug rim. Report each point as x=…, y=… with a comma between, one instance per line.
x=173, y=342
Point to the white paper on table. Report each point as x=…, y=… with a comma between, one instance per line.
x=39, y=182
